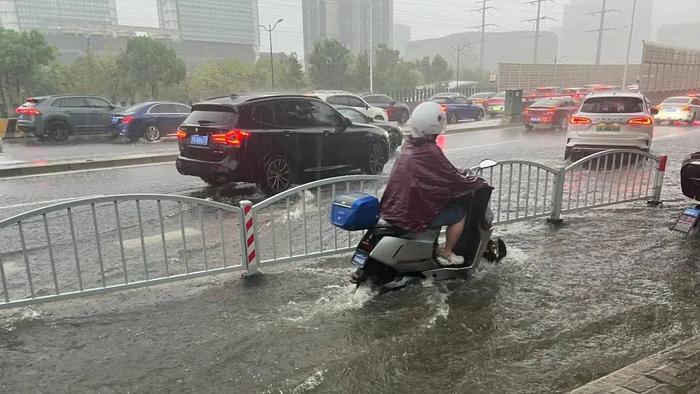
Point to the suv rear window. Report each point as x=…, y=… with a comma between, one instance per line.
x=613, y=105
x=205, y=115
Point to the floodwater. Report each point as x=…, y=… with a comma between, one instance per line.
x=566, y=306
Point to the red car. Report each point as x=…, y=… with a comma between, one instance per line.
x=496, y=105
x=553, y=111
x=543, y=92
x=577, y=94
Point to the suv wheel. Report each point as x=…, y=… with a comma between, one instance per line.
x=479, y=116
x=151, y=133
x=58, y=130
x=276, y=175
x=375, y=159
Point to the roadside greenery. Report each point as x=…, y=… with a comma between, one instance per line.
x=147, y=69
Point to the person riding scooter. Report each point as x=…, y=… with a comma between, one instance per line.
x=424, y=188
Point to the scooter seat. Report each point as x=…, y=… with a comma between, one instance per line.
x=386, y=228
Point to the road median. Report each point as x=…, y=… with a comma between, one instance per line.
x=49, y=167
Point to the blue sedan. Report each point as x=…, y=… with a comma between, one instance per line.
x=458, y=107
x=151, y=120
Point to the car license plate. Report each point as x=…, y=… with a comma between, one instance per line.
x=499, y=108
x=360, y=259
x=608, y=127
x=671, y=109
x=535, y=119
x=22, y=117
x=687, y=221
x=115, y=119
x=202, y=140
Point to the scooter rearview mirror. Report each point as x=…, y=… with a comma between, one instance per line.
x=488, y=163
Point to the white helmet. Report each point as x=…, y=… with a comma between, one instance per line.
x=427, y=119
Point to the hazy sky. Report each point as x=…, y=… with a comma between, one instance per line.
x=435, y=18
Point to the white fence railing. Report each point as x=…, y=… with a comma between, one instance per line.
x=100, y=244
x=107, y=243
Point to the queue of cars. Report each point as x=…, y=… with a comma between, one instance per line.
x=59, y=117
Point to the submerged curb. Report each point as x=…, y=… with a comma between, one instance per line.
x=674, y=370
x=78, y=165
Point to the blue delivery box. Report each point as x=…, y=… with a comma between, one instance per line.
x=355, y=211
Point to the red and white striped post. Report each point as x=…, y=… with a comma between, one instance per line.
x=659, y=181
x=250, y=256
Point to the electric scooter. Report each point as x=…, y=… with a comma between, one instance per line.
x=391, y=257
x=689, y=221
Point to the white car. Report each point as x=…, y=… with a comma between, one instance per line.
x=682, y=109
x=610, y=120
x=340, y=97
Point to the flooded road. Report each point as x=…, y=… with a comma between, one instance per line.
x=568, y=305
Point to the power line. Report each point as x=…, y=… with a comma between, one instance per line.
x=537, y=21
x=602, y=29
x=484, y=7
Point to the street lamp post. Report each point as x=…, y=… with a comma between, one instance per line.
x=269, y=29
x=629, y=45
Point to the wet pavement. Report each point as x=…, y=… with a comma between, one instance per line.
x=32, y=152
x=569, y=304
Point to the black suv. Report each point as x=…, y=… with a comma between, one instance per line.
x=275, y=141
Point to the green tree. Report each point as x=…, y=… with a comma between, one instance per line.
x=292, y=72
x=21, y=57
x=329, y=65
x=440, y=71
x=360, y=73
x=392, y=72
x=147, y=62
x=223, y=77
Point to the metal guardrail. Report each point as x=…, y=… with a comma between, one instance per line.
x=523, y=190
x=607, y=178
x=294, y=224
x=108, y=243
x=94, y=245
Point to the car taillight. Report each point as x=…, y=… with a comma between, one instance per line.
x=181, y=134
x=233, y=137
x=443, y=108
x=127, y=119
x=579, y=120
x=641, y=121
x=31, y=111
x=685, y=108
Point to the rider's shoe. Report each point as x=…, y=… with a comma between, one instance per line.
x=445, y=258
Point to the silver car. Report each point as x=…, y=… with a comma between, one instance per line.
x=610, y=120
x=682, y=109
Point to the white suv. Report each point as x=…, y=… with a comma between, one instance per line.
x=610, y=120
x=347, y=99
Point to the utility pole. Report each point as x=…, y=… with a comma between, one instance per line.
x=629, y=45
x=557, y=59
x=459, y=50
x=484, y=7
x=371, y=47
x=601, y=29
x=537, y=21
x=269, y=29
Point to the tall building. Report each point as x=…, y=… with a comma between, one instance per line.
x=579, y=41
x=348, y=21
x=196, y=29
x=402, y=36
